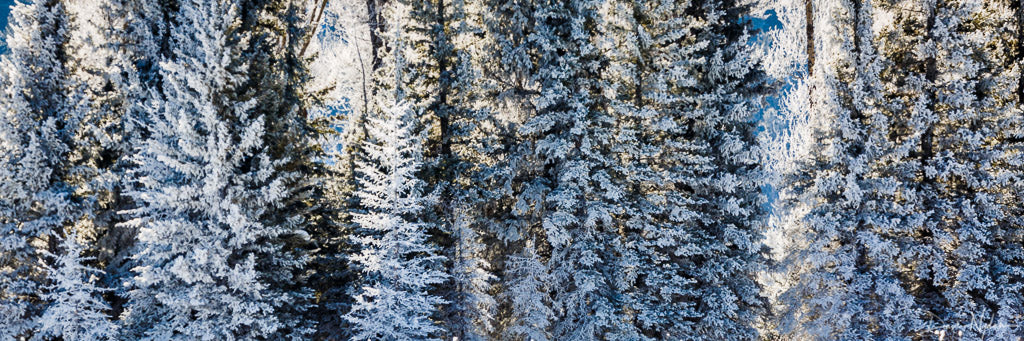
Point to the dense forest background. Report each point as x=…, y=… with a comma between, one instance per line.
x=512, y=170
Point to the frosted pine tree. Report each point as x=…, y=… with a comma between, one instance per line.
x=442, y=82
x=506, y=87
x=644, y=63
x=527, y=290
x=569, y=168
x=1006, y=26
x=725, y=105
x=280, y=90
x=341, y=71
x=493, y=74
x=116, y=47
x=373, y=47
x=471, y=308
x=76, y=310
x=399, y=265
x=845, y=263
x=504, y=179
x=213, y=193
x=954, y=90
x=686, y=88
x=41, y=110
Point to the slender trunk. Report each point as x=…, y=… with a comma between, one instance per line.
x=809, y=15
x=809, y=35
x=855, y=113
x=931, y=74
x=314, y=23
x=445, y=83
x=1019, y=11
x=376, y=23
x=364, y=76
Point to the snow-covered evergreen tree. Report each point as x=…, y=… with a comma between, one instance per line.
x=471, y=309
x=75, y=310
x=505, y=86
x=341, y=71
x=372, y=47
x=569, y=168
x=898, y=207
x=443, y=82
x=398, y=264
x=954, y=92
x=1005, y=29
x=116, y=47
x=216, y=190
x=42, y=107
x=685, y=91
x=844, y=263
x=527, y=291
x=293, y=134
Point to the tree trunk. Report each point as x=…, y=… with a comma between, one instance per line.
x=444, y=87
x=855, y=114
x=809, y=15
x=376, y=23
x=931, y=74
x=1019, y=14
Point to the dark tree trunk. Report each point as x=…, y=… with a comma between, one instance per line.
x=1019, y=14
x=377, y=23
x=809, y=15
x=931, y=74
x=444, y=88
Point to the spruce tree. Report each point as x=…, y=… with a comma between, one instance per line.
x=845, y=263
x=42, y=110
x=279, y=74
x=399, y=265
x=370, y=40
x=505, y=86
x=955, y=96
x=1005, y=49
x=443, y=84
x=76, y=310
x=686, y=86
x=341, y=71
x=116, y=48
x=570, y=169
x=216, y=190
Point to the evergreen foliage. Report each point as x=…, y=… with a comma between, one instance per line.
x=42, y=109
x=685, y=90
x=898, y=208
x=216, y=191
x=512, y=169
x=398, y=264
x=76, y=310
